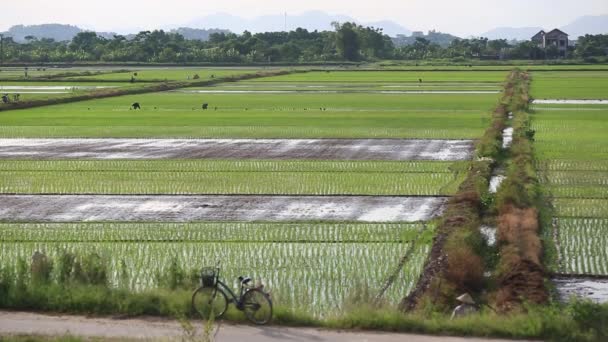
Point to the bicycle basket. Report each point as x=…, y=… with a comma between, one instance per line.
x=208, y=277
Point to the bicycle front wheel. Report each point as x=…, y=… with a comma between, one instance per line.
x=257, y=306
x=209, y=302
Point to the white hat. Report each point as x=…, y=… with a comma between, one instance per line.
x=466, y=298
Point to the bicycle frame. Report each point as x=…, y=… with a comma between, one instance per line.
x=228, y=291
x=237, y=300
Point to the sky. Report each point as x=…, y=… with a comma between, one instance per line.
x=460, y=17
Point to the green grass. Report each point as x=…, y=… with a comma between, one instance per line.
x=259, y=116
x=313, y=277
x=28, y=94
x=230, y=177
x=571, y=134
x=392, y=76
x=570, y=85
x=584, y=245
x=351, y=87
x=59, y=83
x=211, y=232
x=571, y=148
x=228, y=183
x=167, y=74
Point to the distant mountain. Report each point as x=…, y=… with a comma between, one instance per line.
x=57, y=32
x=587, y=25
x=579, y=27
x=390, y=28
x=512, y=33
x=197, y=34
x=313, y=20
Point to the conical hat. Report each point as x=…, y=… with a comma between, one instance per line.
x=466, y=298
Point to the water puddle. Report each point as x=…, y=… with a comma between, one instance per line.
x=507, y=137
x=495, y=182
x=489, y=233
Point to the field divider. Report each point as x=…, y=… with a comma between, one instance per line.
x=148, y=88
x=454, y=265
x=520, y=275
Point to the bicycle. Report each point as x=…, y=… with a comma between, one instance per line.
x=210, y=299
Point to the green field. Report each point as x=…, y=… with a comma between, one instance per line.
x=229, y=177
x=392, y=76
x=571, y=146
x=570, y=85
x=166, y=74
x=312, y=266
x=174, y=114
x=40, y=90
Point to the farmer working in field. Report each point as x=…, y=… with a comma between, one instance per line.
x=466, y=307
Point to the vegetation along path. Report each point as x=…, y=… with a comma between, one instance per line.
x=36, y=324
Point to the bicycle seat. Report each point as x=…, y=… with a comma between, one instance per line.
x=244, y=280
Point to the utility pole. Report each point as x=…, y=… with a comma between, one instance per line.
x=285, y=21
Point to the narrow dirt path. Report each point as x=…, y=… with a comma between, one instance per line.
x=12, y=323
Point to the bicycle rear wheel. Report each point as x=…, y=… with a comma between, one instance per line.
x=209, y=302
x=257, y=306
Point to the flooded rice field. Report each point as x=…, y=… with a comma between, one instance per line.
x=78, y=208
x=595, y=290
x=575, y=102
x=341, y=149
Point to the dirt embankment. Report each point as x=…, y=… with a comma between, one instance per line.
x=520, y=274
x=148, y=88
x=454, y=265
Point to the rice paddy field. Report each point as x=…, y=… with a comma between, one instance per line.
x=572, y=151
x=570, y=85
x=164, y=74
x=317, y=191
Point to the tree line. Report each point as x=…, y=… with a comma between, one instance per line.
x=347, y=42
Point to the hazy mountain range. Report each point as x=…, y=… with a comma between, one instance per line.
x=202, y=27
x=313, y=20
x=579, y=27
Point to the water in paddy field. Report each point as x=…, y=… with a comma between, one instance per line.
x=489, y=234
x=581, y=102
x=507, y=137
x=343, y=149
x=595, y=290
x=168, y=208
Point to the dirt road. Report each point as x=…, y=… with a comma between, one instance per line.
x=158, y=329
